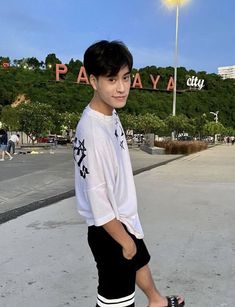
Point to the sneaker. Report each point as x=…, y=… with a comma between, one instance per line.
x=2, y=159
x=10, y=158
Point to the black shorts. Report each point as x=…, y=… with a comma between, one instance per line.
x=116, y=274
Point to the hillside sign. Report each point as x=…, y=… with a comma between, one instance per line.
x=62, y=69
x=195, y=82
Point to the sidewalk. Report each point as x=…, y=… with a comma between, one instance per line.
x=29, y=182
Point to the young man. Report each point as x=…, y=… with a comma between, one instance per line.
x=104, y=184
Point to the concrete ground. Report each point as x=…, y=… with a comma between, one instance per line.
x=187, y=211
x=31, y=181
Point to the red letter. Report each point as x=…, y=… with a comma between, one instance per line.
x=137, y=81
x=82, y=76
x=61, y=69
x=170, y=85
x=5, y=65
x=154, y=82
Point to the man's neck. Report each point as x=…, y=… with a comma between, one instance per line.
x=101, y=107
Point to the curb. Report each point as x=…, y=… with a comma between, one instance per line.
x=13, y=214
x=148, y=168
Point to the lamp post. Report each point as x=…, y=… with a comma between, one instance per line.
x=176, y=57
x=216, y=116
x=216, y=120
x=176, y=4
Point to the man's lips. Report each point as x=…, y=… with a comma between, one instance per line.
x=120, y=97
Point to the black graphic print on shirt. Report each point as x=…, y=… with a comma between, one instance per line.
x=119, y=133
x=79, y=153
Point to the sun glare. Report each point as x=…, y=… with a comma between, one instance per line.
x=171, y=3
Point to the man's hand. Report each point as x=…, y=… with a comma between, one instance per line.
x=119, y=234
x=129, y=250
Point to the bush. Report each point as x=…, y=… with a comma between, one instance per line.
x=181, y=147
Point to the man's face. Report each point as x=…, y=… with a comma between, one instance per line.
x=111, y=92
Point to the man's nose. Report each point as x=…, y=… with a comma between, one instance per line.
x=120, y=86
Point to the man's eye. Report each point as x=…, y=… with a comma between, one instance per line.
x=112, y=80
x=127, y=78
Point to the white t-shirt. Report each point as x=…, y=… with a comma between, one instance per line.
x=104, y=182
x=14, y=138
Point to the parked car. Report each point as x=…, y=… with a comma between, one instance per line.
x=185, y=138
x=61, y=140
x=42, y=139
x=51, y=138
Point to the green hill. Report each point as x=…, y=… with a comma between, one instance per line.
x=39, y=85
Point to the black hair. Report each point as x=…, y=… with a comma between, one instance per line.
x=105, y=58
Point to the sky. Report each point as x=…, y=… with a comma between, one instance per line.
x=36, y=28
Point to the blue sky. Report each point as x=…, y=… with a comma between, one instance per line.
x=67, y=27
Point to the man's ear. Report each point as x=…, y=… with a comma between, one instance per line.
x=93, y=82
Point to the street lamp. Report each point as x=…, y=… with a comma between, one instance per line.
x=216, y=116
x=216, y=120
x=176, y=4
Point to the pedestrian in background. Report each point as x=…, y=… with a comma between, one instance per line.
x=13, y=140
x=3, y=145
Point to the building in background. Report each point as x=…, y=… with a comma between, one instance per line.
x=227, y=72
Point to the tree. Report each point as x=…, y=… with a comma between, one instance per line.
x=199, y=124
x=229, y=131
x=33, y=63
x=4, y=60
x=68, y=121
x=35, y=119
x=178, y=123
x=51, y=60
x=129, y=121
x=10, y=117
x=212, y=128
x=22, y=63
x=150, y=123
x=74, y=66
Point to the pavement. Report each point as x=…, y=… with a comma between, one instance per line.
x=32, y=181
x=187, y=211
